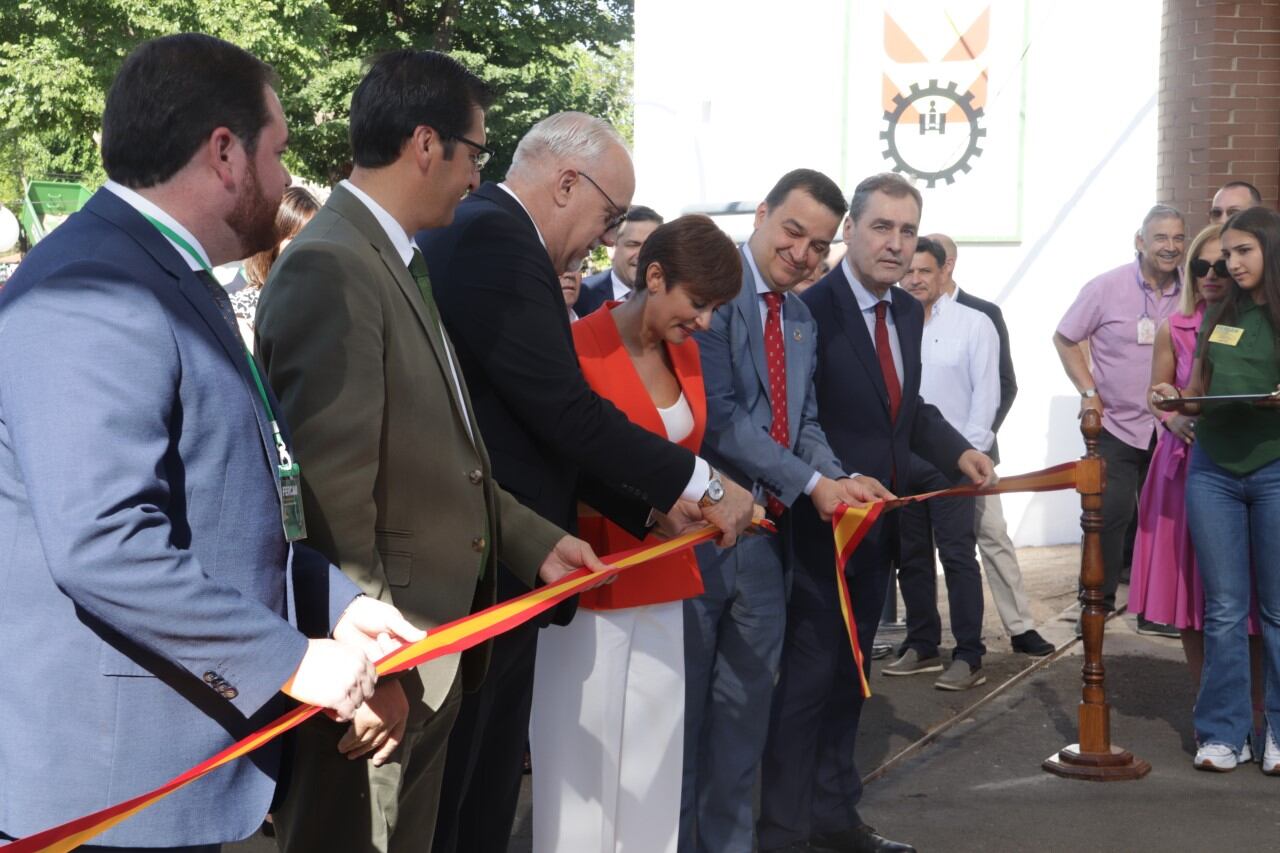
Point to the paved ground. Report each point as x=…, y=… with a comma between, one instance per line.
x=975, y=784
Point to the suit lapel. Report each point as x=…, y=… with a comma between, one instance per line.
x=910, y=327
x=350, y=208
x=111, y=207
x=797, y=341
x=855, y=331
x=748, y=307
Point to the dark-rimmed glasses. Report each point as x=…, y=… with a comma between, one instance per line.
x=615, y=223
x=1200, y=267
x=482, y=153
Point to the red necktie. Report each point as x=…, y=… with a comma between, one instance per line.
x=884, y=354
x=775, y=355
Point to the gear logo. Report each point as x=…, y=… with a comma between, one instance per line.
x=932, y=132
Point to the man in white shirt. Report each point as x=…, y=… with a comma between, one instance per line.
x=960, y=356
x=617, y=282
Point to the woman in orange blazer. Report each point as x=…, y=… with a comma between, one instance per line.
x=607, y=729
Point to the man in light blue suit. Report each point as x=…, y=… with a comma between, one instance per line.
x=758, y=361
x=153, y=608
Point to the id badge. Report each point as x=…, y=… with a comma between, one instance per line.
x=1227, y=335
x=1146, y=331
x=295, y=522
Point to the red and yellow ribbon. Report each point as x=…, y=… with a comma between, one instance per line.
x=850, y=525
x=456, y=636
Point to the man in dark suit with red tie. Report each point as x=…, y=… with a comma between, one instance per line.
x=868, y=389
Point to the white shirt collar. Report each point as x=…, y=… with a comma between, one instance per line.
x=503, y=186
x=620, y=290
x=761, y=287
x=866, y=299
x=149, y=208
x=395, y=232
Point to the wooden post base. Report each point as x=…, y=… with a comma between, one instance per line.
x=1118, y=764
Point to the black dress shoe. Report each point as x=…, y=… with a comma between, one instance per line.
x=863, y=839
x=1031, y=643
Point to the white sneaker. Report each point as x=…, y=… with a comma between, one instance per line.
x=1220, y=757
x=1271, y=756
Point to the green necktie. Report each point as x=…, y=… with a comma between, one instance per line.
x=418, y=269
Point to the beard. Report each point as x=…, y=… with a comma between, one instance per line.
x=254, y=218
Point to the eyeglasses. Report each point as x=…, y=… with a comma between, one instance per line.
x=482, y=154
x=615, y=223
x=1200, y=268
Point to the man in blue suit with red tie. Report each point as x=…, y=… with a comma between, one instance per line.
x=154, y=605
x=867, y=382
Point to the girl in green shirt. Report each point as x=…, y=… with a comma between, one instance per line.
x=1233, y=491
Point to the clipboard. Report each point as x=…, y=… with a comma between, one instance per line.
x=1229, y=398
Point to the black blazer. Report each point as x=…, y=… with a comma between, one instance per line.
x=500, y=300
x=1008, y=381
x=853, y=410
x=596, y=291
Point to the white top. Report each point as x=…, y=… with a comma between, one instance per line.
x=404, y=248
x=960, y=360
x=867, y=305
x=149, y=208
x=678, y=419
x=761, y=289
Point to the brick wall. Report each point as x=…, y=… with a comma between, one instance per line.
x=1219, y=102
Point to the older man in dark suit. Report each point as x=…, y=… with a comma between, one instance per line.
x=150, y=576
x=869, y=406
x=495, y=271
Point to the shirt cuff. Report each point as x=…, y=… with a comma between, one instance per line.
x=697, y=486
x=813, y=483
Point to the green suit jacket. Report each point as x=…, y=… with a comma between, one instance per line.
x=397, y=490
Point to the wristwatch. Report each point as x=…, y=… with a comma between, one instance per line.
x=1089, y=392
x=715, y=491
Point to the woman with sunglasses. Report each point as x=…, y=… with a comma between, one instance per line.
x=1233, y=489
x=1166, y=587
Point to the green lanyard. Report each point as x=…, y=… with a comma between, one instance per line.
x=286, y=460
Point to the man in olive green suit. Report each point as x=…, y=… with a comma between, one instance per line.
x=396, y=480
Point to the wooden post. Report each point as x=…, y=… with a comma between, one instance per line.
x=1094, y=758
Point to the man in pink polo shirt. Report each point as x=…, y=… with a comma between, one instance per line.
x=1117, y=315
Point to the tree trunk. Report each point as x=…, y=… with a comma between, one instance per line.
x=446, y=19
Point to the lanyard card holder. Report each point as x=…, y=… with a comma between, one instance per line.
x=295, y=521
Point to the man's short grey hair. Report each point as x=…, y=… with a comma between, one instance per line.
x=1161, y=211
x=578, y=139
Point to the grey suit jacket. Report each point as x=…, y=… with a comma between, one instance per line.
x=739, y=411
x=397, y=483
x=146, y=587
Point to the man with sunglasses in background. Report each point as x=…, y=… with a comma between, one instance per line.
x=551, y=438
x=397, y=482
x=1116, y=315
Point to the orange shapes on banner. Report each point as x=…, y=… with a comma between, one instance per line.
x=898, y=45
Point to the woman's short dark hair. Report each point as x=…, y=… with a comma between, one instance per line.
x=405, y=89
x=692, y=251
x=297, y=206
x=170, y=94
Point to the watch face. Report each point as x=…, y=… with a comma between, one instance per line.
x=715, y=490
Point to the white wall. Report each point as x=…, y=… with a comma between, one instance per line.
x=730, y=95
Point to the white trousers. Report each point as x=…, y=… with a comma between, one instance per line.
x=1004, y=577
x=607, y=731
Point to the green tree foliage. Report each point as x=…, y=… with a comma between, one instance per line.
x=57, y=58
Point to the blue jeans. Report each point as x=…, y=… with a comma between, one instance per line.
x=1233, y=519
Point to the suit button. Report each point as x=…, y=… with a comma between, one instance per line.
x=477, y=544
x=476, y=477
x=228, y=693
x=211, y=677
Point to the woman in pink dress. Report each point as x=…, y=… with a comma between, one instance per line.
x=1165, y=585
